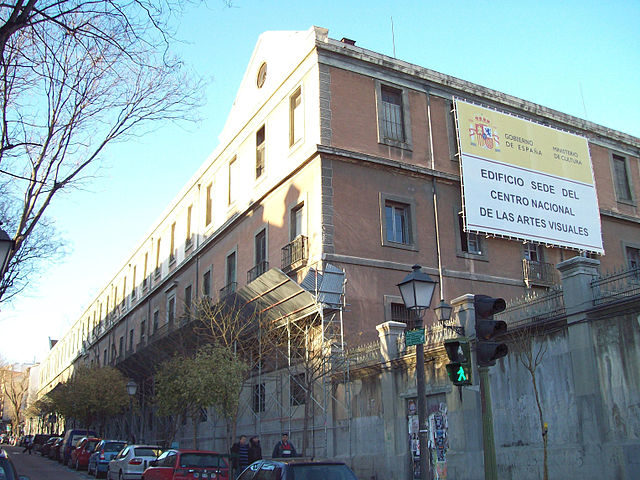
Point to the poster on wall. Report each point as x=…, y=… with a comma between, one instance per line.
x=526, y=181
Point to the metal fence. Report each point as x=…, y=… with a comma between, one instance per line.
x=533, y=308
x=616, y=286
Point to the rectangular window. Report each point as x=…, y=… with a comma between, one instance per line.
x=104, y=357
x=131, y=339
x=259, y=398
x=397, y=222
x=121, y=346
x=142, y=327
x=209, y=207
x=400, y=313
x=469, y=242
x=187, y=301
x=392, y=114
x=172, y=244
x=260, y=243
x=233, y=178
x=297, y=389
x=260, y=152
x=158, y=254
x=297, y=219
x=156, y=320
x=295, y=117
x=146, y=262
x=188, y=239
x=171, y=310
x=633, y=257
x=621, y=178
x=231, y=268
x=133, y=286
x=532, y=252
x=206, y=283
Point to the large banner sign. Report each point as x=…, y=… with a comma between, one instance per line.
x=526, y=181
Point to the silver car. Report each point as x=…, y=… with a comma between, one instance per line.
x=132, y=461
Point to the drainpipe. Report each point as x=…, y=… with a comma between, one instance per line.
x=434, y=190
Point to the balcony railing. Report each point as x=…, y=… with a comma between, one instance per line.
x=256, y=271
x=617, y=286
x=228, y=289
x=295, y=254
x=539, y=273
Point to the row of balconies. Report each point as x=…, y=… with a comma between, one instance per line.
x=294, y=255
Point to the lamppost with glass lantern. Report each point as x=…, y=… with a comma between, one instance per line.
x=132, y=388
x=417, y=290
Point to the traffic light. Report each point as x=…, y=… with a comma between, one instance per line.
x=459, y=354
x=488, y=351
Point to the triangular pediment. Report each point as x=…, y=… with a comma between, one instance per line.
x=279, y=53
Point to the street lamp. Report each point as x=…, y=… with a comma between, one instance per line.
x=6, y=245
x=132, y=388
x=417, y=290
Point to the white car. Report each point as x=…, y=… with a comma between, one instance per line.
x=132, y=461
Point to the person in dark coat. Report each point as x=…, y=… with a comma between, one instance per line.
x=284, y=448
x=255, y=450
x=240, y=454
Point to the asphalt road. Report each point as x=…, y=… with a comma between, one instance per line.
x=37, y=467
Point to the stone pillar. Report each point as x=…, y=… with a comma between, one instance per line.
x=393, y=407
x=577, y=274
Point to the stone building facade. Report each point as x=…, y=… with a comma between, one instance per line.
x=333, y=159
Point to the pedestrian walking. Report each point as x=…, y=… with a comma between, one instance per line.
x=28, y=444
x=240, y=454
x=284, y=448
x=255, y=450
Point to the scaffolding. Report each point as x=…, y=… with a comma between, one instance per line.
x=294, y=387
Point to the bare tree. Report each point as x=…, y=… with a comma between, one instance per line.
x=16, y=388
x=530, y=354
x=76, y=76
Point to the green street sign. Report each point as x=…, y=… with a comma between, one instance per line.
x=414, y=337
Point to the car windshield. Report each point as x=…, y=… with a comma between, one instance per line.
x=321, y=472
x=201, y=460
x=147, y=452
x=114, y=446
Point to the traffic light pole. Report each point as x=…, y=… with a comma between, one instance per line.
x=490, y=468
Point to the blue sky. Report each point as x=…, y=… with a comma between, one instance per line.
x=582, y=58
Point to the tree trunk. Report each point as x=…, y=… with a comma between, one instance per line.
x=543, y=429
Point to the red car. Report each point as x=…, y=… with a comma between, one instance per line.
x=188, y=465
x=80, y=454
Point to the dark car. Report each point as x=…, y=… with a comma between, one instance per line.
x=39, y=440
x=187, y=465
x=44, y=450
x=54, y=451
x=71, y=439
x=297, y=468
x=105, y=450
x=7, y=469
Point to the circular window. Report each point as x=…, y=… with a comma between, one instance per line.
x=262, y=75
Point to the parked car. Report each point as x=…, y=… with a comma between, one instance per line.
x=300, y=468
x=80, y=455
x=39, y=440
x=187, y=465
x=132, y=461
x=71, y=439
x=104, y=452
x=44, y=450
x=54, y=451
x=7, y=468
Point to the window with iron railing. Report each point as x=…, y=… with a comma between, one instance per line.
x=256, y=271
x=295, y=253
x=228, y=289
